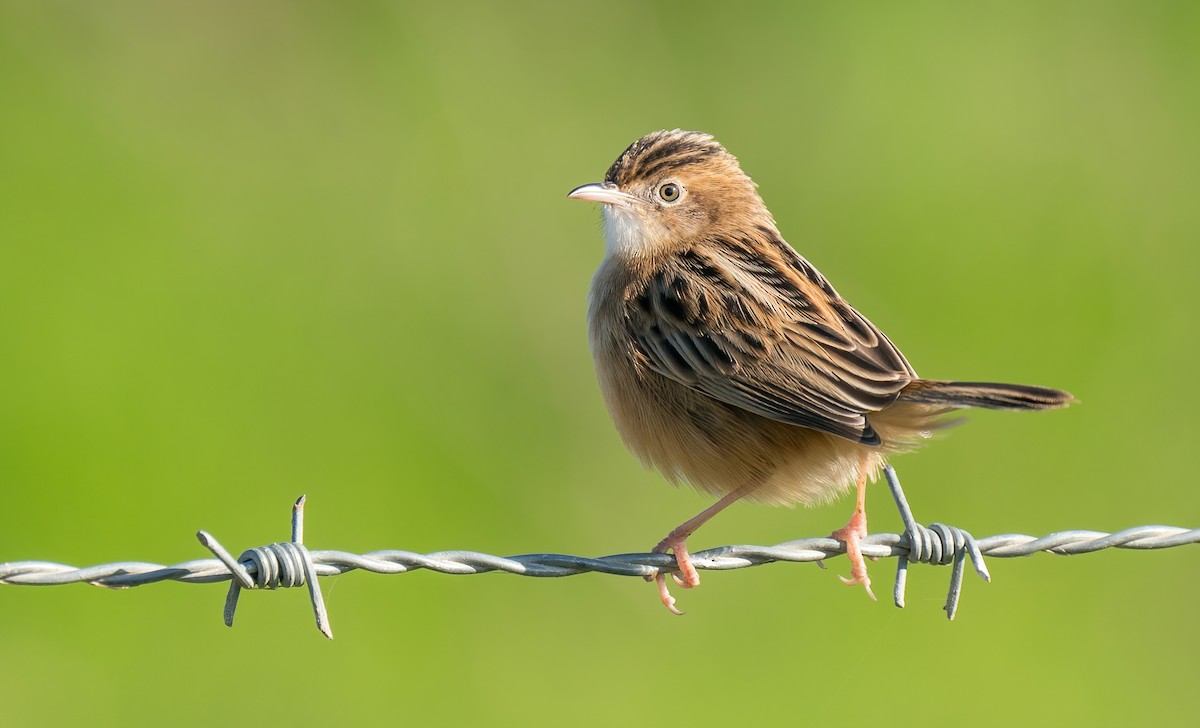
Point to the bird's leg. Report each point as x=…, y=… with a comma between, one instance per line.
x=854, y=530
x=676, y=542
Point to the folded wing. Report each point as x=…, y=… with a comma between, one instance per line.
x=768, y=334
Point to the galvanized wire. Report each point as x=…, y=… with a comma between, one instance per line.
x=292, y=564
x=125, y=574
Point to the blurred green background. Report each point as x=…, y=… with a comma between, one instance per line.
x=249, y=251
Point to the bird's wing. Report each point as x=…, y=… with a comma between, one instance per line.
x=754, y=325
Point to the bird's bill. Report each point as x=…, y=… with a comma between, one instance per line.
x=603, y=192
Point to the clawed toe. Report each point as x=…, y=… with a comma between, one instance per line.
x=665, y=594
x=864, y=580
x=853, y=532
x=686, y=577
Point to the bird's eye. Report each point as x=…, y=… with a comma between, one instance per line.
x=669, y=192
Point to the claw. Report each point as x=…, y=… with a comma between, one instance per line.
x=686, y=576
x=665, y=594
x=858, y=567
x=865, y=581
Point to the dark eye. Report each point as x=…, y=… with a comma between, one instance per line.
x=669, y=192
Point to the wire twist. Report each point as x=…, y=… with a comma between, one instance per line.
x=271, y=567
x=938, y=544
x=292, y=564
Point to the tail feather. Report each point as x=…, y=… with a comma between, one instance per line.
x=984, y=394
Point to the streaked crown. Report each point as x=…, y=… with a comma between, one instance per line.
x=667, y=152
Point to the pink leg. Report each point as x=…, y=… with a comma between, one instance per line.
x=854, y=530
x=676, y=542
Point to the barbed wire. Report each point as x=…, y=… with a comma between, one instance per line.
x=291, y=564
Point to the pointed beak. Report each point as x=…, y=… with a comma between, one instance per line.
x=606, y=193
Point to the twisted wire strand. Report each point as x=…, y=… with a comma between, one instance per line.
x=126, y=574
x=292, y=564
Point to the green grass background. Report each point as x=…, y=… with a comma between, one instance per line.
x=253, y=250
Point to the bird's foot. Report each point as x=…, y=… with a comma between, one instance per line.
x=853, y=531
x=686, y=576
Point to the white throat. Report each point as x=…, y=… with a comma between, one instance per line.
x=628, y=233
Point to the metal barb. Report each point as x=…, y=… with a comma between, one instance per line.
x=271, y=567
x=938, y=544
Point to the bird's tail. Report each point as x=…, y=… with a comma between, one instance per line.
x=987, y=395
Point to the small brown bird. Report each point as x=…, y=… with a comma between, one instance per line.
x=729, y=362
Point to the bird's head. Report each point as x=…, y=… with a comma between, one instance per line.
x=670, y=188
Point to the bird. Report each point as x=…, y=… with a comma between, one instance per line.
x=729, y=362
